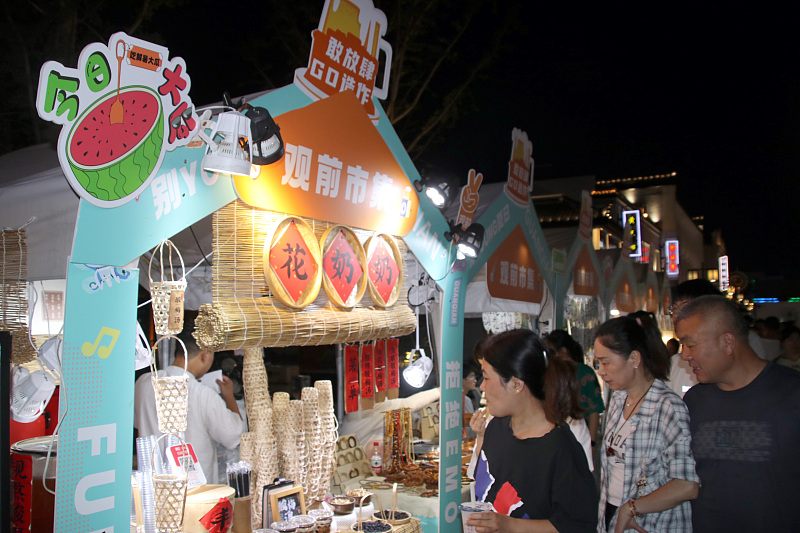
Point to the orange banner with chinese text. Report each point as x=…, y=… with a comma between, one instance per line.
x=337, y=168
x=585, y=281
x=512, y=272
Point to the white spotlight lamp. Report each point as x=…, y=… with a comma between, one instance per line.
x=417, y=373
x=228, y=149
x=31, y=392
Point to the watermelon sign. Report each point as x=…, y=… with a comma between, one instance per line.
x=124, y=106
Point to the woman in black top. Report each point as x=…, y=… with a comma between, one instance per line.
x=530, y=467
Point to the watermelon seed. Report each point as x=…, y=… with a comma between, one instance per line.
x=80, y=143
x=102, y=112
x=84, y=153
x=98, y=153
x=124, y=145
x=112, y=152
x=136, y=133
x=85, y=128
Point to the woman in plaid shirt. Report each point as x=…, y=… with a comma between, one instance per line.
x=648, y=474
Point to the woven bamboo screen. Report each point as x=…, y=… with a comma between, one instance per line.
x=243, y=313
x=14, y=294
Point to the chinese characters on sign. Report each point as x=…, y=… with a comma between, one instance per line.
x=520, y=168
x=322, y=176
x=513, y=272
x=220, y=518
x=382, y=270
x=380, y=366
x=344, y=54
x=21, y=490
x=393, y=367
x=292, y=261
x=341, y=267
x=367, y=375
x=123, y=106
x=351, y=371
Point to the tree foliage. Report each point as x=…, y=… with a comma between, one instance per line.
x=442, y=49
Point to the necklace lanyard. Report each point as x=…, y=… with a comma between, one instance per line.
x=609, y=449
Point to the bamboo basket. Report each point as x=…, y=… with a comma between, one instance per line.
x=167, y=292
x=244, y=312
x=170, y=495
x=172, y=394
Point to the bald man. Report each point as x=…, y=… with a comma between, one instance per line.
x=745, y=424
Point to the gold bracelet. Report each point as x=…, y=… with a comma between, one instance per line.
x=632, y=507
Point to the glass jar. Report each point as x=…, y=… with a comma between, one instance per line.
x=284, y=527
x=304, y=523
x=324, y=518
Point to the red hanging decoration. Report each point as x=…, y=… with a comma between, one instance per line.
x=351, y=367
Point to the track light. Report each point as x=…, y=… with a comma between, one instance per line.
x=266, y=143
x=468, y=241
x=439, y=190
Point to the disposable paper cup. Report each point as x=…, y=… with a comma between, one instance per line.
x=472, y=507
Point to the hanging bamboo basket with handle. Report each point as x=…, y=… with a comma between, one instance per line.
x=167, y=291
x=172, y=394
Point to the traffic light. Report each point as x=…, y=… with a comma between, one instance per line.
x=673, y=257
x=631, y=228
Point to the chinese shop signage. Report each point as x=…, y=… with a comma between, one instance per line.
x=367, y=374
x=383, y=271
x=343, y=275
x=21, y=490
x=219, y=518
x=585, y=281
x=292, y=267
x=351, y=371
x=512, y=271
x=337, y=168
x=520, y=168
x=393, y=367
x=624, y=296
x=344, y=54
x=380, y=369
x=120, y=110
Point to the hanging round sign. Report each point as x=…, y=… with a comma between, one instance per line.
x=343, y=262
x=292, y=263
x=384, y=269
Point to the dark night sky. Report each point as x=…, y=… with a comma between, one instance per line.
x=712, y=96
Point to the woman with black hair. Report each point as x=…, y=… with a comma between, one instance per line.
x=648, y=472
x=531, y=467
x=590, y=399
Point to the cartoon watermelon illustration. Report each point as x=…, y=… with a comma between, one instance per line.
x=113, y=162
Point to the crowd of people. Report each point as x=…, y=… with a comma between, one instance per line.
x=701, y=434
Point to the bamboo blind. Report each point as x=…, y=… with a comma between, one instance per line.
x=14, y=294
x=243, y=313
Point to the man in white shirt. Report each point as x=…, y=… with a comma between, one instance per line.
x=211, y=418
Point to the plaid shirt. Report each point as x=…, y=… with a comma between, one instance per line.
x=658, y=450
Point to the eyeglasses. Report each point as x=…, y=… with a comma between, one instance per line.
x=675, y=308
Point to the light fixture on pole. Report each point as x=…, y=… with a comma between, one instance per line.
x=439, y=190
x=266, y=143
x=468, y=241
